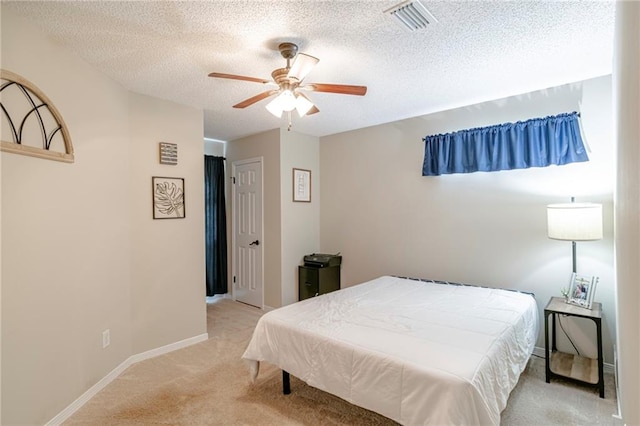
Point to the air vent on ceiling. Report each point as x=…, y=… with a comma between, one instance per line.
x=412, y=15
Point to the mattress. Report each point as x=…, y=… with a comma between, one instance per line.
x=414, y=351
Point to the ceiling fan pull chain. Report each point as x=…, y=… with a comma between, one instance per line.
x=289, y=128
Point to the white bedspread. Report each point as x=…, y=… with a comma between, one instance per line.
x=416, y=352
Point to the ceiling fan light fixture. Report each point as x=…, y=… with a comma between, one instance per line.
x=288, y=101
x=285, y=101
x=274, y=108
x=289, y=93
x=303, y=105
x=302, y=65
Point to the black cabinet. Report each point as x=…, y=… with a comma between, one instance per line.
x=313, y=280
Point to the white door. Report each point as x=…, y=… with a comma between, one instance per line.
x=247, y=223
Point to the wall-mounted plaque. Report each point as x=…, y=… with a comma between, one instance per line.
x=168, y=153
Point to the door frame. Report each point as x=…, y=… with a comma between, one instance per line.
x=234, y=260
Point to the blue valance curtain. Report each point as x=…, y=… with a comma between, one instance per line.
x=538, y=142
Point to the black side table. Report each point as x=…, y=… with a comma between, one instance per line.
x=573, y=367
x=313, y=281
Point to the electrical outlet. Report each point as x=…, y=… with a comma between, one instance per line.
x=106, y=338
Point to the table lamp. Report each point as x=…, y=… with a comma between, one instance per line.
x=574, y=222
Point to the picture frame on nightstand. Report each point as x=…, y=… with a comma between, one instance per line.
x=582, y=288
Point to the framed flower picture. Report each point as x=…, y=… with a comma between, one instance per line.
x=168, y=198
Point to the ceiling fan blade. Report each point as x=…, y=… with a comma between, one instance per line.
x=254, y=99
x=313, y=110
x=336, y=88
x=302, y=65
x=239, y=77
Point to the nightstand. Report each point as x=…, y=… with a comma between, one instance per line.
x=313, y=281
x=573, y=367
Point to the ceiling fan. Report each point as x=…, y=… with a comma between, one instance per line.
x=290, y=89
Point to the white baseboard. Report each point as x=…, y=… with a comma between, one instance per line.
x=168, y=348
x=608, y=368
x=93, y=390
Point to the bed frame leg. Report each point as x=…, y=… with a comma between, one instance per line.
x=286, y=383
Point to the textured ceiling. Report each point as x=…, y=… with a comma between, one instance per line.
x=478, y=51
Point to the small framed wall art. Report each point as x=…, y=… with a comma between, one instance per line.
x=168, y=198
x=168, y=153
x=302, y=185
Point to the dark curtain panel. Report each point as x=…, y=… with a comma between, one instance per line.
x=215, y=222
x=538, y=142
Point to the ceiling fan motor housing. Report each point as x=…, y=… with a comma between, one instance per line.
x=288, y=50
x=280, y=76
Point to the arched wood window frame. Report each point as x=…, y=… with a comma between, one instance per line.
x=38, y=100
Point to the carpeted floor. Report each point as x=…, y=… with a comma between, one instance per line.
x=208, y=384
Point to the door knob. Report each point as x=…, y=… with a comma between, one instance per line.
x=255, y=243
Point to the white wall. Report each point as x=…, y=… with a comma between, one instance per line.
x=291, y=229
x=214, y=148
x=300, y=220
x=627, y=201
x=481, y=228
x=80, y=250
x=0, y=250
x=66, y=250
x=167, y=256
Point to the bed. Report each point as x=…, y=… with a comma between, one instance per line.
x=416, y=351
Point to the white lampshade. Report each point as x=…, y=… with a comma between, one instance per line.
x=303, y=105
x=285, y=101
x=288, y=101
x=274, y=108
x=574, y=221
x=302, y=64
